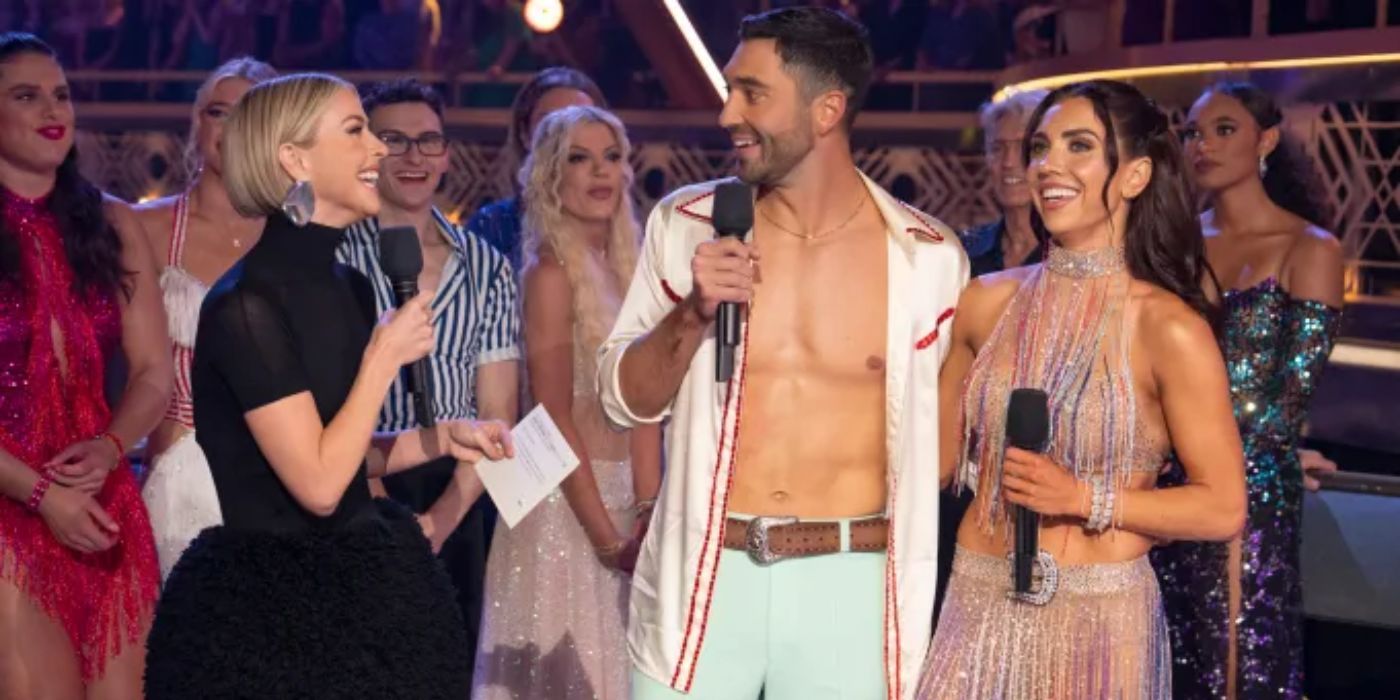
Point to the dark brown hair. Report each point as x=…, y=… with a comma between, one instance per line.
x=518, y=135
x=824, y=48
x=90, y=243
x=401, y=91
x=1163, y=241
x=1291, y=181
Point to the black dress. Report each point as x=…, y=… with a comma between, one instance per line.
x=280, y=602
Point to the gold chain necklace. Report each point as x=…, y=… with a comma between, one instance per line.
x=229, y=233
x=817, y=236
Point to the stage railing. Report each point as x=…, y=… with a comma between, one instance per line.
x=931, y=160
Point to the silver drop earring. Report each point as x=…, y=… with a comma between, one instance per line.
x=1263, y=167
x=300, y=203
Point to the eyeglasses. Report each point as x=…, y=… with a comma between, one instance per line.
x=429, y=144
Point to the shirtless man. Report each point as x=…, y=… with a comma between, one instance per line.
x=793, y=548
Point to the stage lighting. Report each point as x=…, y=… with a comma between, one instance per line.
x=1054, y=81
x=697, y=47
x=544, y=16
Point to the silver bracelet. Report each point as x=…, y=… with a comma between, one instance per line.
x=1101, y=508
x=1110, y=505
x=1095, y=503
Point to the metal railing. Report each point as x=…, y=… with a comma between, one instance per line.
x=95, y=84
x=1359, y=482
x=1258, y=44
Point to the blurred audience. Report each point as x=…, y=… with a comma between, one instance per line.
x=962, y=35
x=394, y=38
x=310, y=34
x=492, y=36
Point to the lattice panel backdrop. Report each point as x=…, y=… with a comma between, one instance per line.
x=953, y=186
x=1356, y=147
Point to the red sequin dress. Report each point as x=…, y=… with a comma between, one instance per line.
x=53, y=345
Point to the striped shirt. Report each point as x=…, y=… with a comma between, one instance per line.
x=475, y=318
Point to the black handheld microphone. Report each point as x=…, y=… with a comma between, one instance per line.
x=401, y=258
x=732, y=216
x=1027, y=428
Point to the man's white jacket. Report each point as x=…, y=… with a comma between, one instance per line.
x=679, y=563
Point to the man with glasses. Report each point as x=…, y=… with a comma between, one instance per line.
x=475, y=361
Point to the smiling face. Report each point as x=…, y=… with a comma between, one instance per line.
x=342, y=163
x=1004, y=162
x=210, y=128
x=1224, y=143
x=36, y=113
x=591, y=184
x=409, y=177
x=1069, y=174
x=766, y=114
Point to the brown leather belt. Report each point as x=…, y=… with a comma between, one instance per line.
x=768, y=539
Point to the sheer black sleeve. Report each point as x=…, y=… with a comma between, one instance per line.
x=363, y=290
x=249, y=343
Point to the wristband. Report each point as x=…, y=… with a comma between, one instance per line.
x=116, y=442
x=41, y=487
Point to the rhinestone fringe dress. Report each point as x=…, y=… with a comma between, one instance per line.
x=1102, y=634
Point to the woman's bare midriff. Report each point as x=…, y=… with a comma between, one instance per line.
x=163, y=437
x=1064, y=538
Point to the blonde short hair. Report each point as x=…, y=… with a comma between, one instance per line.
x=243, y=68
x=280, y=111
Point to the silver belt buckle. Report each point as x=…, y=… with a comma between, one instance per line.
x=756, y=537
x=1045, y=572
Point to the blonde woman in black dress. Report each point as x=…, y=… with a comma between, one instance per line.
x=310, y=588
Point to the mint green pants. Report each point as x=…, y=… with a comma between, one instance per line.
x=800, y=629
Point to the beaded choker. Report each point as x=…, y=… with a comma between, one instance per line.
x=1085, y=263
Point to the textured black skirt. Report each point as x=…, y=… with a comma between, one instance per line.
x=362, y=612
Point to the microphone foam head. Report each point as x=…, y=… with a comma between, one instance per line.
x=1028, y=419
x=399, y=253
x=733, y=210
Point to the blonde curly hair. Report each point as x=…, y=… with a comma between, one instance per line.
x=546, y=228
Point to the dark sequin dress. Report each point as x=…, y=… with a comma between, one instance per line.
x=1275, y=348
